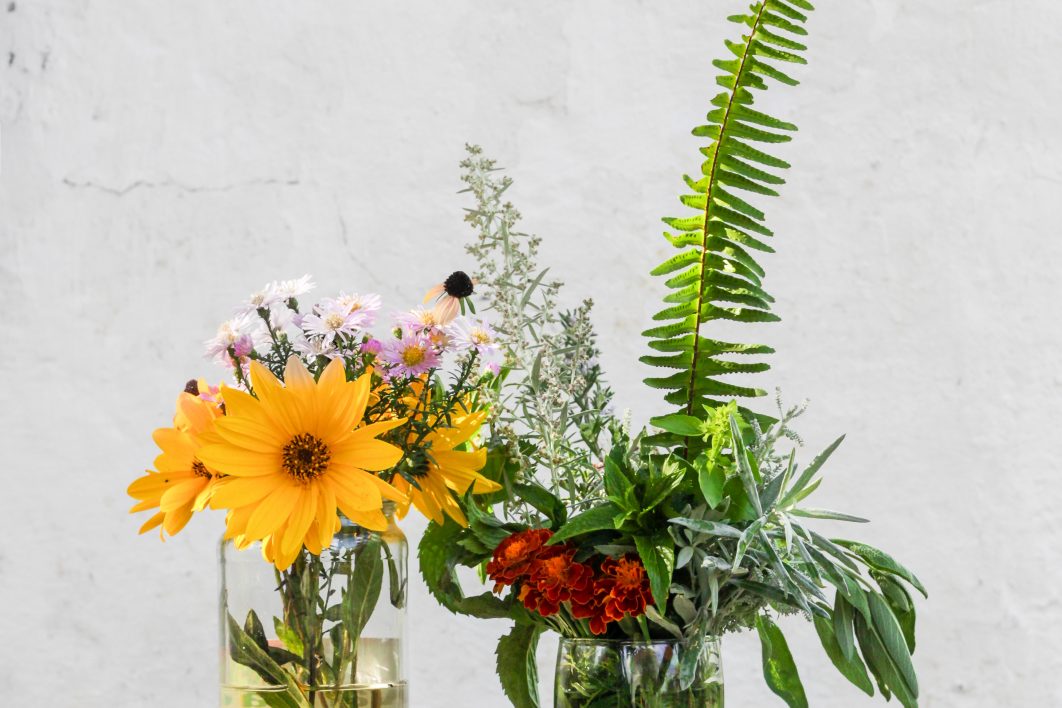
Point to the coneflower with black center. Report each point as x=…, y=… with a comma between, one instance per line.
x=450, y=296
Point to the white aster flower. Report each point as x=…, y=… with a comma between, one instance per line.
x=243, y=332
x=287, y=289
x=367, y=305
x=313, y=347
x=467, y=334
x=328, y=320
x=260, y=299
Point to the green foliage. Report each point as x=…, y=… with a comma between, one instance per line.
x=849, y=665
x=779, y=670
x=551, y=402
x=710, y=504
x=359, y=601
x=516, y=665
x=598, y=518
x=715, y=275
x=658, y=556
x=251, y=650
x=883, y=562
x=440, y=550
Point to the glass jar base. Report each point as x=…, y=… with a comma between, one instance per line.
x=358, y=696
x=604, y=673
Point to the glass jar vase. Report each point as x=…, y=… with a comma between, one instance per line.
x=610, y=673
x=328, y=632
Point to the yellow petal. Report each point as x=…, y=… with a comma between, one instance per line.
x=151, y=486
x=236, y=522
x=197, y=412
x=240, y=462
x=176, y=520
x=377, y=429
x=246, y=432
x=466, y=427
x=388, y=491
x=272, y=512
x=297, y=377
x=266, y=386
x=300, y=394
x=354, y=491
x=327, y=519
x=361, y=396
x=144, y=505
x=335, y=374
x=169, y=438
x=299, y=523
x=239, y=403
x=204, y=496
x=275, y=401
x=372, y=520
x=405, y=489
x=369, y=454
x=236, y=492
x=153, y=522
x=180, y=495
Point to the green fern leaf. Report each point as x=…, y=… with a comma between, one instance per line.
x=715, y=275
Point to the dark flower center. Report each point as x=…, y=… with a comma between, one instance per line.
x=458, y=284
x=305, y=457
x=420, y=465
x=192, y=387
x=200, y=469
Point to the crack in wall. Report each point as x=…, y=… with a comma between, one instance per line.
x=173, y=184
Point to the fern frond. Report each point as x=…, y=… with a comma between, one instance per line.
x=715, y=274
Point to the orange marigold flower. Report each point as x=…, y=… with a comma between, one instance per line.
x=627, y=586
x=556, y=578
x=621, y=588
x=513, y=557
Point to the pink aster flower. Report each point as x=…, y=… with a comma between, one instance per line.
x=371, y=346
x=417, y=321
x=411, y=355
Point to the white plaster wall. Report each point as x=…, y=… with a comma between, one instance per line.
x=161, y=160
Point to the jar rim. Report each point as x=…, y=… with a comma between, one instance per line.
x=634, y=642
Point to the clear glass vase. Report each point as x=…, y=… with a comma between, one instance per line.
x=328, y=632
x=609, y=673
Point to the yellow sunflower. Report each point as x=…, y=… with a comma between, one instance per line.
x=182, y=483
x=445, y=470
x=296, y=453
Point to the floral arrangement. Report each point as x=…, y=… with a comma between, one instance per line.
x=640, y=548
x=325, y=425
x=698, y=525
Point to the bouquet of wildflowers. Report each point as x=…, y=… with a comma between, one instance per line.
x=325, y=426
x=642, y=548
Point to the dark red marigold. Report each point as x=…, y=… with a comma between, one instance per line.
x=556, y=578
x=513, y=557
x=627, y=586
x=620, y=588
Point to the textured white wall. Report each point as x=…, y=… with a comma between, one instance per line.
x=161, y=160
